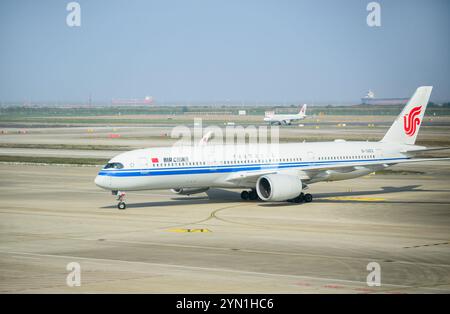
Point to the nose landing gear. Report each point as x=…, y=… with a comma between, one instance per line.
x=121, y=198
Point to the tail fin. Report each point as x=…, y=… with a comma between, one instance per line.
x=405, y=128
x=269, y=114
x=206, y=138
x=303, y=110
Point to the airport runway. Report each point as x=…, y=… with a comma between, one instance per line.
x=132, y=137
x=53, y=215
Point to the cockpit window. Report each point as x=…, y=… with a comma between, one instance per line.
x=113, y=165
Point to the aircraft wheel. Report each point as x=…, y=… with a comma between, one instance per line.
x=308, y=198
x=245, y=195
x=299, y=199
x=121, y=206
x=253, y=195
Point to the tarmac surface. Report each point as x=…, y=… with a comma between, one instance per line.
x=54, y=215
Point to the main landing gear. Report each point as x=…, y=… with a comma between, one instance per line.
x=252, y=195
x=249, y=195
x=307, y=198
x=121, y=198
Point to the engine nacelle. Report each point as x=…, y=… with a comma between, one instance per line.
x=189, y=191
x=278, y=187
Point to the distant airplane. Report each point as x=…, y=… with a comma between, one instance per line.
x=277, y=172
x=286, y=119
x=148, y=100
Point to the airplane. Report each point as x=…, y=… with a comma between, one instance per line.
x=286, y=119
x=269, y=172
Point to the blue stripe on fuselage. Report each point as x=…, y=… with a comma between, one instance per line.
x=224, y=168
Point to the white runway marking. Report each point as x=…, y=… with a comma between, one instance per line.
x=242, y=272
x=189, y=267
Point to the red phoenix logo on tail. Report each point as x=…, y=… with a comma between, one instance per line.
x=411, y=121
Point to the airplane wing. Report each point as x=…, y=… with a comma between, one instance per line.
x=249, y=177
x=312, y=170
x=391, y=161
x=423, y=150
x=349, y=165
x=421, y=160
x=312, y=173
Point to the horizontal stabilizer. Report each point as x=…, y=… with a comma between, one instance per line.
x=424, y=150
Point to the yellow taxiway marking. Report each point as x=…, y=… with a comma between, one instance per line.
x=357, y=199
x=189, y=230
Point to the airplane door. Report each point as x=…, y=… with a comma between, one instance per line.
x=142, y=162
x=213, y=165
x=311, y=156
x=379, y=153
x=212, y=160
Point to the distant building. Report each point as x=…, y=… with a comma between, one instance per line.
x=370, y=99
x=242, y=112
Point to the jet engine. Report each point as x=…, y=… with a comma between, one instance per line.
x=189, y=191
x=278, y=187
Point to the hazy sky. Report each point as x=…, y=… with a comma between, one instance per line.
x=241, y=50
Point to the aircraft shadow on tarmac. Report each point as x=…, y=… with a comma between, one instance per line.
x=330, y=197
x=216, y=196
x=384, y=190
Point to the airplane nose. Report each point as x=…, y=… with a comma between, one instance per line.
x=101, y=181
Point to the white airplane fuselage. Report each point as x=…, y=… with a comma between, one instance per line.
x=284, y=118
x=273, y=172
x=214, y=166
